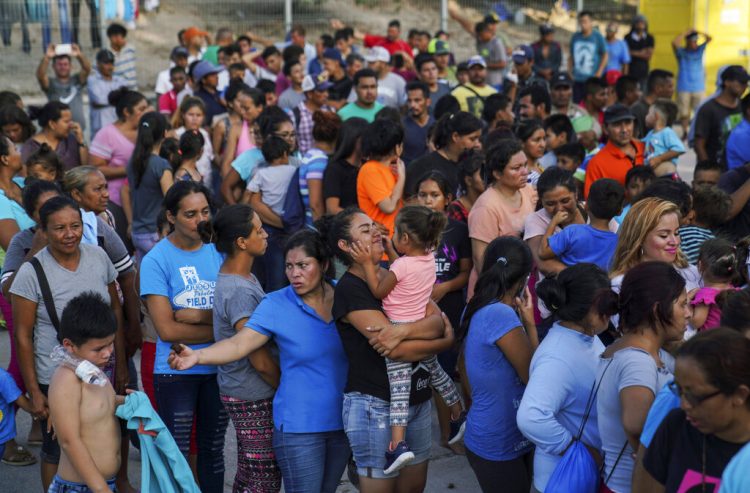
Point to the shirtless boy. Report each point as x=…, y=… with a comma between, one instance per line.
x=83, y=414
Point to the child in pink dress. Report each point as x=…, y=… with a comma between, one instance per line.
x=405, y=292
x=717, y=262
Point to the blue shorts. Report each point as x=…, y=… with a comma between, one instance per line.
x=366, y=423
x=59, y=485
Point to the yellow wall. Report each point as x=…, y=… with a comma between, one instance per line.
x=727, y=21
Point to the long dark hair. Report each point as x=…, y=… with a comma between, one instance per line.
x=647, y=296
x=507, y=261
x=349, y=135
x=231, y=222
x=576, y=290
x=462, y=123
x=151, y=129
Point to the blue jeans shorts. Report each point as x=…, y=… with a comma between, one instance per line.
x=59, y=485
x=366, y=423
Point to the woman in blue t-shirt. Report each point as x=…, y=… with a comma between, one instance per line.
x=178, y=277
x=308, y=438
x=149, y=178
x=498, y=347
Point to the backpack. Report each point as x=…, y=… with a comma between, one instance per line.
x=294, y=208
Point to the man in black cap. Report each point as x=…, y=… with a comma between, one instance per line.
x=547, y=53
x=622, y=151
x=334, y=67
x=561, y=95
x=718, y=117
x=101, y=82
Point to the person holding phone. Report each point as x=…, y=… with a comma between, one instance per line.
x=65, y=86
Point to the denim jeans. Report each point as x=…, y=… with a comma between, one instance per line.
x=60, y=485
x=311, y=462
x=179, y=399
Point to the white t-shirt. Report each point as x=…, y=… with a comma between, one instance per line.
x=272, y=182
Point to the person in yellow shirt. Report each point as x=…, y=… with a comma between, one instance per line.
x=471, y=95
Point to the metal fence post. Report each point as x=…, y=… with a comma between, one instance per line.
x=287, y=15
x=444, y=15
x=579, y=6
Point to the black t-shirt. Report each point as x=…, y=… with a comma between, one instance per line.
x=367, y=372
x=638, y=67
x=340, y=89
x=739, y=226
x=714, y=122
x=340, y=180
x=675, y=456
x=640, y=110
x=425, y=164
x=454, y=246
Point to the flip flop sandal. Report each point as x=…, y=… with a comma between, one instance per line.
x=20, y=457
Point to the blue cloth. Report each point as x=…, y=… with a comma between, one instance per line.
x=90, y=228
x=313, y=364
x=583, y=243
x=664, y=402
x=691, y=76
x=187, y=279
x=9, y=393
x=163, y=467
x=59, y=485
x=315, y=67
x=624, y=213
x=587, y=53
x=496, y=389
x=10, y=209
x=246, y=163
x=735, y=478
x=619, y=54
x=738, y=145
x=311, y=461
x=657, y=143
x=554, y=402
x=313, y=167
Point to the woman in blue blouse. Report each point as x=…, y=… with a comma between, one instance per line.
x=310, y=445
x=498, y=347
x=178, y=277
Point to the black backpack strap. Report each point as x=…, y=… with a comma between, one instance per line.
x=482, y=98
x=49, y=303
x=297, y=117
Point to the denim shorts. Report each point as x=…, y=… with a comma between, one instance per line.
x=366, y=425
x=59, y=485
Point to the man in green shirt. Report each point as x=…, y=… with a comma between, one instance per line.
x=366, y=105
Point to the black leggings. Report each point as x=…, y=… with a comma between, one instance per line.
x=514, y=475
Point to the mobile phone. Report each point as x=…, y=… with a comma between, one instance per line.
x=63, y=49
x=522, y=290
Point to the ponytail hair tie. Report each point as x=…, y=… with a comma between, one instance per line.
x=502, y=260
x=145, y=124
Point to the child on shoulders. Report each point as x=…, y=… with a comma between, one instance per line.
x=663, y=146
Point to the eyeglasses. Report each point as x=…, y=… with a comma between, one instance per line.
x=692, y=399
x=286, y=135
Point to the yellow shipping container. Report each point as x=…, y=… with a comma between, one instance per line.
x=726, y=21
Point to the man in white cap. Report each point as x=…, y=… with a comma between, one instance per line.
x=471, y=95
x=316, y=97
x=391, y=87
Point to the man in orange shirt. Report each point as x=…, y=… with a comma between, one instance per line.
x=622, y=151
x=380, y=182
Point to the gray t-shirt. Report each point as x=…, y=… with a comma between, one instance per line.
x=147, y=195
x=235, y=298
x=107, y=238
x=493, y=51
x=290, y=99
x=272, y=182
x=392, y=90
x=70, y=93
x=630, y=367
x=442, y=90
x=94, y=274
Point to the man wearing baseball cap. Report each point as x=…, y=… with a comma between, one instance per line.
x=471, y=95
x=523, y=61
x=547, y=53
x=561, y=94
x=316, y=96
x=441, y=51
x=391, y=86
x=622, y=151
x=206, y=77
x=195, y=42
x=718, y=117
x=100, y=83
x=178, y=58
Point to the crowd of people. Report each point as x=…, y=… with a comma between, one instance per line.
x=319, y=240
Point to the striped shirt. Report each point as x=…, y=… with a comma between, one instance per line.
x=691, y=239
x=125, y=66
x=313, y=167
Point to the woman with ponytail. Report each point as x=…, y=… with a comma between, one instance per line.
x=499, y=337
x=563, y=369
x=247, y=386
x=149, y=178
x=178, y=278
x=453, y=136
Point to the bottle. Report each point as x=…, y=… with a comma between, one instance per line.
x=84, y=369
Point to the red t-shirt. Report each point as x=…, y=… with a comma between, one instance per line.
x=392, y=46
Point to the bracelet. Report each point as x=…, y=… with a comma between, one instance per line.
x=81, y=144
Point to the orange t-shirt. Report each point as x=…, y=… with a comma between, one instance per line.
x=491, y=217
x=375, y=183
x=611, y=162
